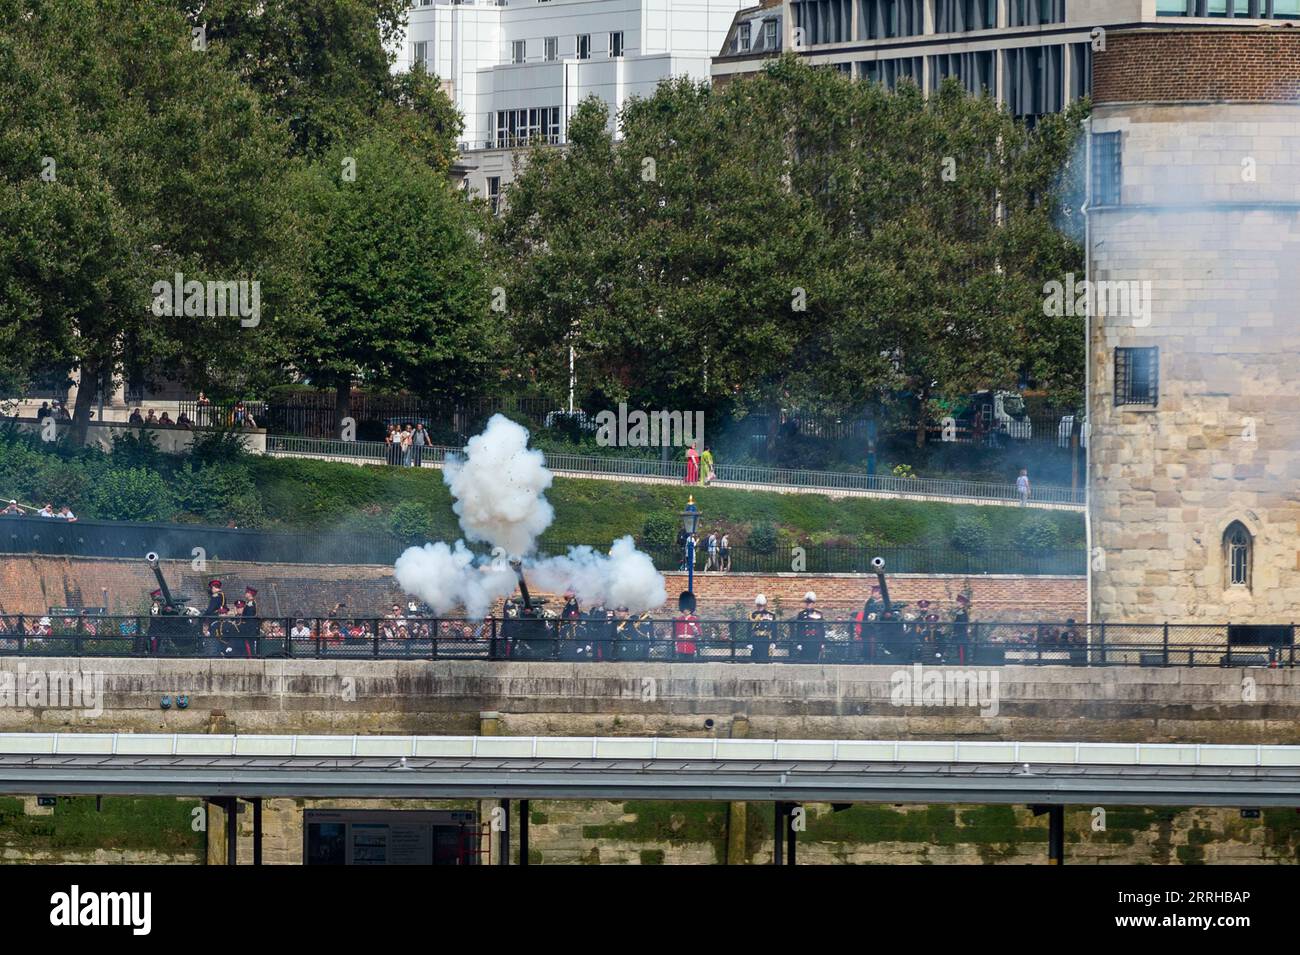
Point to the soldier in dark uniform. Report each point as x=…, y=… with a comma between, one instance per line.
x=809, y=630
x=597, y=630
x=215, y=609
x=762, y=630
x=961, y=628
x=632, y=635
x=251, y=625
x=157, y=626
x=570, y=617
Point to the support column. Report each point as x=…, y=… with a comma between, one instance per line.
x=736, y=811
x=778, y=835
x=523, y=832
x=1056, y=835
x=257, y=831
x=790, y=833
x=489, y=724
x=232, y=831
x=505, y=832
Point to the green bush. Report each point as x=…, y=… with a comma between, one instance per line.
x=762, y=538
x=133, y=494
x=136, y=449
x=219, y=446
x=1037, y=533
x=972, y=534
x=411, y=520
x=219, y=493
x=659, y=531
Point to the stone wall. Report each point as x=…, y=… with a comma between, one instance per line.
x=31, y=584
x=1209, y=216
x=787, y=701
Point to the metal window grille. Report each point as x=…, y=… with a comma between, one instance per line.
x=1137, y=376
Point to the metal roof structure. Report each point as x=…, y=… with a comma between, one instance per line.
x=841, y=771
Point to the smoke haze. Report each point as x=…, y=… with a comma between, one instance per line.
x=499, y=490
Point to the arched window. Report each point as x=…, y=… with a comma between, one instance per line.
x=1236, y=552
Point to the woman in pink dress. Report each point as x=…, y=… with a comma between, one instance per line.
x=692, y=464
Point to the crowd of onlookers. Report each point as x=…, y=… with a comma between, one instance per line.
x=14, y=509
x=206, y=415
x=406, y=444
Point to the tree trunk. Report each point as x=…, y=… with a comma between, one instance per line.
x=921, y=399
x=88, y=386
x=342, y=402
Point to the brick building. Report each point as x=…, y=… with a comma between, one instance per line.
x=1194, y=399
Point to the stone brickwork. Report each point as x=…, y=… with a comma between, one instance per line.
x=31, y=584
x=1210, y=217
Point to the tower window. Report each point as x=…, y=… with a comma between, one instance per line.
x=1236, y=552
x=1137, y=376
x=1107, y=169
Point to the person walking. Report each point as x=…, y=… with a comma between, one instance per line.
x=406, y=446
x=706, y=465
x=711, y=545
x=724, y=553
x=692, y=465
x=1022, y=487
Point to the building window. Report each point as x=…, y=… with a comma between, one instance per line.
x=1137, y=376
x=494, y=193
x=551, y=49
x=616, y=44
x=742, y=38
x=769, y=34
x=1107, y=169
x=525, y=127
x=1236, y=553
x=518, y=51
x=584, y=46
x=420, y=54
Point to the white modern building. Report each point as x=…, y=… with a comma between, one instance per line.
x=1035, y=56
x=517, y=69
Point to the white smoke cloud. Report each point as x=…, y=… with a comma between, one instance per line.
x=499, y=489
x=447, y=577
x=624, y=578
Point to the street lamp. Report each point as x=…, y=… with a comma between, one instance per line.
x=690, y=521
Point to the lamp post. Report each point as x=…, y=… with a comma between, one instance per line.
x=690, y=521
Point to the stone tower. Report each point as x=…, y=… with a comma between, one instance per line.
x=1194, y=349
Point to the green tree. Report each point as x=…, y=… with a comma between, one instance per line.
x=127, y=157
x=396, y=272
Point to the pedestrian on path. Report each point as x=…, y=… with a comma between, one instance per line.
x=692, y=465
x=1022, y=487
x=706, y=465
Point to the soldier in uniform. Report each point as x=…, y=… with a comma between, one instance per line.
x=216, y=609
x=570, y=616
x=762, y=627
x=252, y=626
x=961, y=628
x=809, y=630
x=686, y=627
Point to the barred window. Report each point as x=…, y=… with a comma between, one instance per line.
x=1137, y=376
x=1236, y=550
x=1107, y=169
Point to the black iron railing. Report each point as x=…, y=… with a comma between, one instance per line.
x=90, y=538
x=791, y=641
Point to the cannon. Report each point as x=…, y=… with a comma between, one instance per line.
x=168, y=632
x=526, y=633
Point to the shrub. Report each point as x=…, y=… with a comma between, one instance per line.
x=1037, y=533
x=133, y=494
x=762, y=538
x=972, y=534
x=136, y=449
x=659, y=531
x=410, y=520
x=220, y=446
x=218, y=493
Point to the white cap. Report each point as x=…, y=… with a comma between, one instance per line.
x=761, y=600
x=810, y=596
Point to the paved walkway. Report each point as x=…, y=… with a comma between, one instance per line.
x=647, y=471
